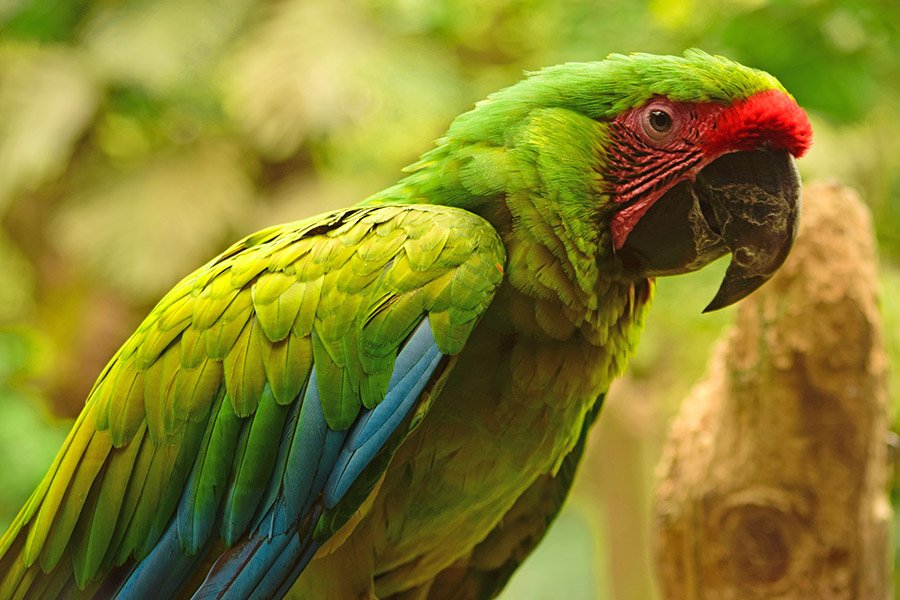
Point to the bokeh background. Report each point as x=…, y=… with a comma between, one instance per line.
x=138, y=138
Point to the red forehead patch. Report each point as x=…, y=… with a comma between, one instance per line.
x=769, y=118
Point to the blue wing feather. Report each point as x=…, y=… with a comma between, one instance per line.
x=414, y=367
x=419, y=343
x=306, y=451
x=261, y=563
x=274, y=494
x=163, y=570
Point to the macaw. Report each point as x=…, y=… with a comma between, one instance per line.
x=391, y=400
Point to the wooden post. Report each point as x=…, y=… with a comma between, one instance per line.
x=773, y=479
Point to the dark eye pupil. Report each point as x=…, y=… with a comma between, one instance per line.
x=660, y=120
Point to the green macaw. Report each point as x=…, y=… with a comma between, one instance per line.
x=391, y=400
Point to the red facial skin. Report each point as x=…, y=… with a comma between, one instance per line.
x=645, y=163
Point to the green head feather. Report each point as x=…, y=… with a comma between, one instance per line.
x=603, y=89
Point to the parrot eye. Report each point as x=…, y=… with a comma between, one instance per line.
x=657, y=123
x=660, y=120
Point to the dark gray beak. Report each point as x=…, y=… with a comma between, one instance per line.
x=745, y=203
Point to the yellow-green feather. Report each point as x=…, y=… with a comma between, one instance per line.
x=80, y=437
x=287, y=366
x=127, y=413
x=65, y=519
x=194, y=390
x=118, y=551
x=276, y=301
x=106, y=515
x=244, y=371
x=145, y=510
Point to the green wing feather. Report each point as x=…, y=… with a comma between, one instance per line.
x=209, y=380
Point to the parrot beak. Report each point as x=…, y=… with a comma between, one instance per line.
x=756, y=205
x=746, y=203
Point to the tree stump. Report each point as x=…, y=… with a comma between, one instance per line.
x=773, y=477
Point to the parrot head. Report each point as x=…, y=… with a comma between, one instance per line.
x=730, y=186
x=692, y=157
x=701, y=164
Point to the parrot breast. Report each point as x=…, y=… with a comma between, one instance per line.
x=481, y=446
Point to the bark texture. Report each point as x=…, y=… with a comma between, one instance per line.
x=773, y=478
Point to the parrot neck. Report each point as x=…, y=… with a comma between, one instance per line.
x=548, y=209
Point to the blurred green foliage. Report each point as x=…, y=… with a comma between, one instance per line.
x=139, y=137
